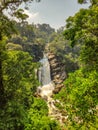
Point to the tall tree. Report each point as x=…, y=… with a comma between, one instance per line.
x=82, y=29
x=85, y=1
x=19, y=83
x=12, y=4
x=7, y=27
x=82, y=86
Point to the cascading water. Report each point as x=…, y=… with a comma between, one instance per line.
x=45, y=78
x=46, y=90
x=44, y=71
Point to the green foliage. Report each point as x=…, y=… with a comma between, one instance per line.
x=24, y=70
x=2, y=47
x=11, y=46
x=57, y=45
x=45, y=29
x=13, y=116
x=82, y=97
x=6, y=26
x=66, y=55
x=80, y=100
x=32, y=38
x=13, y=5
x=21, y=15
x=61, y=95
x=19, y=110
x=2, y=57
x=82, y=29
x=85, y=1
x=19, y=82
x=38, y=117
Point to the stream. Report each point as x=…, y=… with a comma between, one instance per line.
x=46, y=90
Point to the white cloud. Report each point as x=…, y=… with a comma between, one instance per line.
x=33, y=17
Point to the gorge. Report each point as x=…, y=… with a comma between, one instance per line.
x=46, y=91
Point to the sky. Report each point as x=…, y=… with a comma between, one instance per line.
x=53, y=12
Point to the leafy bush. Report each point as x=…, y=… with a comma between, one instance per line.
x=38, y=117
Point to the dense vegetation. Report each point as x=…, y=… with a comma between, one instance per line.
x=81, y=92
x=22, y=46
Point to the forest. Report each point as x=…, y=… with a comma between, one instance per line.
x=21, y=48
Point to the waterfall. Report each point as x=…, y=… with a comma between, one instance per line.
x=45, y=78
x=46, y=90
x=44, y=71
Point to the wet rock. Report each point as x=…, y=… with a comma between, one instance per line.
x=37, y=94
x=45, y=98
x=58, y=73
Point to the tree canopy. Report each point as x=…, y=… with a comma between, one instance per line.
x=22, y=46
x=12, y=4
x=82, y=86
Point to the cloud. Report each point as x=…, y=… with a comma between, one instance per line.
x=34, y=17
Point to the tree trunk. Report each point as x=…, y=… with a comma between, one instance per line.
x=2, y=96
x=1, y=79
x=1, y=86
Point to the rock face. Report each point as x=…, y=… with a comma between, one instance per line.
x=58, y=73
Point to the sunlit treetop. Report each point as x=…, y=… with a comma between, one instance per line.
x=91, y=1
x=13, y=4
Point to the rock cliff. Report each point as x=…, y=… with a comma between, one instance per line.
x=58, y=73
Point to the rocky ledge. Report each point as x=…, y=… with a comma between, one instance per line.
x=58, y=73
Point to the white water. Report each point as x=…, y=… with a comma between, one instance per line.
x=46, y=90
x=44, y=72
x=45, y=78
